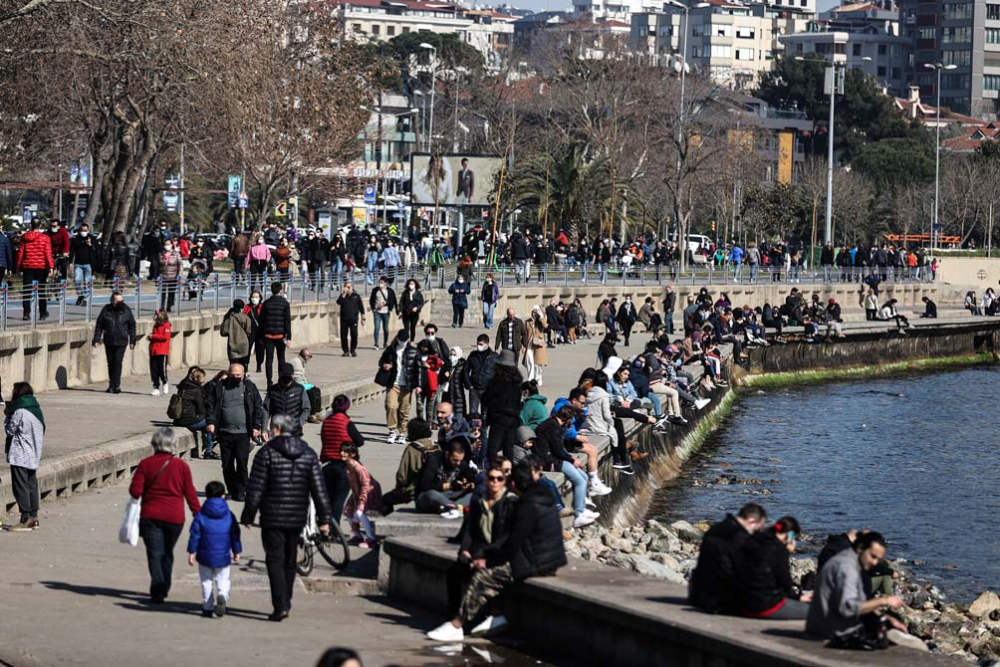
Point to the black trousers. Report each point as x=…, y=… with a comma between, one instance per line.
x=160, y=537
x=154, y=267
x=348, y=329
x=459, y=575
x=25, y=483
x=626, y=332
x=410, y=324
x=169, y=295
x=270, y=346
x=457, y=315
x=502, y=437
x=337, y=486
x=42, y=276
x=158, y=370
x=115, y=355
x=280, y=549
x=315, y=400
x=234, y=449
x=257, y=352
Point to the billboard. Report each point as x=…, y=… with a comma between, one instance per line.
x=453, y=180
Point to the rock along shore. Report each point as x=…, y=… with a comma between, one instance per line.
x=670, y=552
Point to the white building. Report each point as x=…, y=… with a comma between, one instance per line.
x=880, y=55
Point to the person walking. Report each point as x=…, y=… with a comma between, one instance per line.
x=235, y=413
x=163, y=483
x=478, y=371
x=257, y=261
x=286, y=475
x=276, y=329
x=459, y=291
x=238, y=251
x=6, y=257
x=159, y=352
x=252, y=310
x=35, y=262
x=410, y=306
x=512, y=334
x=351, y=307
x=238, y=330
x=502, y=407
x=287, y=397
x=382, y=304
x=337, y=430
x=191, y=394
x=626, y=318
x=25, y=429
x=535, y=354
x=115, y=329
x=490, y=295
x=214, y=544
x=170, y=269
x=84, y=255
x=399, y=373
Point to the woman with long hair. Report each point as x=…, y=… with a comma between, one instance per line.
x=764, y=578
x=25, y=429
x=535, y=355
x=159, y=351
x=252, y=310
x=193, y=415
x=410, y=305
x=502, y=406
x=257, y=261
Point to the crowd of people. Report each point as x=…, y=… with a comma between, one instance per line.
x=743, y=569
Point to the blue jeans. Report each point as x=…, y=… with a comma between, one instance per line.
x=584, y=265
x=206, y=438
x=488, y=309
x=372, y=269
x=753, y=272
x=82, y=273
x=578, y=479
x=382, y=324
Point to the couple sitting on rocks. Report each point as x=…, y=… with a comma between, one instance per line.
x=743, y=569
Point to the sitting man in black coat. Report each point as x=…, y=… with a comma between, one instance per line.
x=534, y=548
x=713, y=585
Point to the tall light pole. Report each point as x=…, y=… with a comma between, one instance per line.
x=430, y=131
x=937, y=149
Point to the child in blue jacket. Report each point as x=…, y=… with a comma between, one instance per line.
x=215, y=534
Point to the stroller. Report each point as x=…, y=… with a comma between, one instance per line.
x=196, y=278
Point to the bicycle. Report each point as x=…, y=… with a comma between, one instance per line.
x=332, y=547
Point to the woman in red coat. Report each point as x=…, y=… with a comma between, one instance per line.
x=163, y=483
x=159, y=350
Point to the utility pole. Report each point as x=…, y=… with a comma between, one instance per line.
x=180, y=199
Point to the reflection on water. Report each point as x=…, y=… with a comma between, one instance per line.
x=912, y=457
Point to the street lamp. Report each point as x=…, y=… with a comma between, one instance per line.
x=430, y=131
x=937, y=148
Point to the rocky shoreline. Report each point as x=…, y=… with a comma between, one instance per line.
x=669, y=551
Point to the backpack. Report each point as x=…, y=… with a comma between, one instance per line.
x=175, y=408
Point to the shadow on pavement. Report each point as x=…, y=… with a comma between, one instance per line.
x=193, y=609
x=95, y=590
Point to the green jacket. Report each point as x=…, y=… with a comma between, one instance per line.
x=410, y=466
x=534, y=412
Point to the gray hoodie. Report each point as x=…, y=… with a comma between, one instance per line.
x=600, y=420
x=836, y=605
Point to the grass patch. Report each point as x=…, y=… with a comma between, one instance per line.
x=696, y=438
x=777, y=380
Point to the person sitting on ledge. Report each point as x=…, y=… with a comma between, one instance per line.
x=447, y=480
x=930, y=308
x=889, y=312
x=712, y=581
x=763, y=577
x=841, y=611
x=534, y=548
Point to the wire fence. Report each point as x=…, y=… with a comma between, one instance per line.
x=67, y=300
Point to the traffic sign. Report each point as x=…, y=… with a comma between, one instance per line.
x=243, y=201
x=369, y=194
x=281, y=210
x=401, y=206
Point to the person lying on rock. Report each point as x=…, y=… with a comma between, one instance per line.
x=841, y=612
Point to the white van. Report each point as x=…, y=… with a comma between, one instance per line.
x=698, y=241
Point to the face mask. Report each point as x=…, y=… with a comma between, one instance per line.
x=168, y=248
x=481, y=347
x=461, y=280
x=255, y=301
x=117, y=305
x=233, y=382
x=431, y=337
x=423, y=357
x=454, y=359
x=403, y=340
x=413, y=288
x=489, y=281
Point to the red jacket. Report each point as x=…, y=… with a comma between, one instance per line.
x=60, y=241
x=159, y=341
x=434, y=366
x=35, y=252
x=333, y=434
x=163, y=499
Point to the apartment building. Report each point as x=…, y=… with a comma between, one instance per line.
x=880, y=55
x=965, y=34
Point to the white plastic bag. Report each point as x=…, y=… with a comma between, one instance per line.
x=129, y=532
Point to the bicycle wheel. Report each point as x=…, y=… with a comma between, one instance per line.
x=333, y=548
x=304, y=562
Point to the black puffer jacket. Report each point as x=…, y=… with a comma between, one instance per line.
x=115, y=326
x=192, y=402
x=457, y=388
x=479, y=369
x=276, y=318
x=290, y=401
x=535, y=546
x=285, y=475
x=410, y=363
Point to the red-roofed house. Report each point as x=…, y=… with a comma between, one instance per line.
x=972, y=138
x=913, y=108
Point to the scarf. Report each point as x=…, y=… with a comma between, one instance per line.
x=29, y=403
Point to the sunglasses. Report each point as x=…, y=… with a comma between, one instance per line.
x=494, y=478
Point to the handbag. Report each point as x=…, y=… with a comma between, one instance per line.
x=129, y=531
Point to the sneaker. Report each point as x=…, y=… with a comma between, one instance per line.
x=700, y=403
x=155, y=392
x=490, y=625
x=598, y=488
x=589, y=503
x=207, y=613
x=661, y=421
x=626, y=470
x=446, y=632
x=23, y=527
x=220, y=606
x=591, y=515
x=392, y=437
x=482, y=628
x=451, y=515
x=582, y=520
x=722, y=383
x=900, y=638
x=620, y=466
x=678, y=420
x=166, y=388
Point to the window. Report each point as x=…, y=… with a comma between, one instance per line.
x=390, y=30
x=722, y=51
x=376, y=29
x=643, y=31
x=928, y=33
x=880, y=71
x=357, y=27
x=722, y=30
x=406, y=30
x=883, y=49
x=956, y=35
x=953, y=81
x=769, y=55
x=744, y=54
x=993, y=12
x=991, y=81
x=897, y=73
x=745, y=33
x=957, y=10
x=993, y=35
x=959, y=58
x=856, y=49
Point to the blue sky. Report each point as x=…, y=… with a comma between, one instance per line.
x=557, y=5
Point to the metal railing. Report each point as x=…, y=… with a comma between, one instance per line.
x=213, y=293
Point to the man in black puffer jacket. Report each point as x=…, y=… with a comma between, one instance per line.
x=288, y=398
x=533, y=549
x=275, y=328
x=286, y=474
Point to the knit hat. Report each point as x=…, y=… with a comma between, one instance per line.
x=524, y=434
